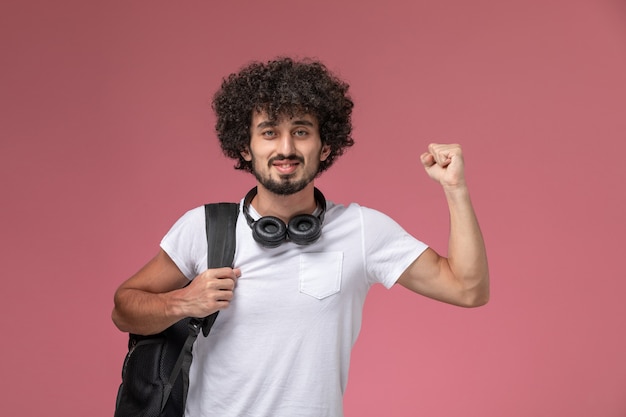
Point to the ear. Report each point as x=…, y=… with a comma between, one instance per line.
x=325, y=152
x=245, y=154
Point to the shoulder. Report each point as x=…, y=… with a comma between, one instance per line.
x=352, y=209
x=369, y=223
x=192, y=215
x=356, y=211
x=185, y=242
x=190, y=222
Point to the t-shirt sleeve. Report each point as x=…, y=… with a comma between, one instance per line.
x=186, y=244
x=388, y=248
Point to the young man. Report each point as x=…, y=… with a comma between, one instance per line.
x=290, y=309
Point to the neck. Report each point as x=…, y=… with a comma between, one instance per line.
x=285, y=207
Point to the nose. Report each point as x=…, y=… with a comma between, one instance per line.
x=286, y=144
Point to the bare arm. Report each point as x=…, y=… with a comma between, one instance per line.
x=463, y=277
x=156, y=297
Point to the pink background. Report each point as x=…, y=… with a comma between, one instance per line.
x=107, y=138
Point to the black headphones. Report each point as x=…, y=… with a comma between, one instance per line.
x=271, y=231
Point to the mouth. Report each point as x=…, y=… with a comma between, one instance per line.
x=286, y=167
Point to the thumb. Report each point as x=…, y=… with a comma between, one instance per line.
x=427, y=159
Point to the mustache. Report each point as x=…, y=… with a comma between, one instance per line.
x=291, y=157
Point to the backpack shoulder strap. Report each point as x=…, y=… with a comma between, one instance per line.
x=221, y=222
x=221, y=219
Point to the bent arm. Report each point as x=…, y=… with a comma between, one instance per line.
x=156, y=297
x=461, y=278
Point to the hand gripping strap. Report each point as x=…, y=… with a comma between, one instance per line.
x=221, y=220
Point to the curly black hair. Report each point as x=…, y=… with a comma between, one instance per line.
x=283, y=87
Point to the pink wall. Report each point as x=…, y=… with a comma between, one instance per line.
x=107, y=138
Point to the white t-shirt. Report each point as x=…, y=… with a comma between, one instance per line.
x=282, y=348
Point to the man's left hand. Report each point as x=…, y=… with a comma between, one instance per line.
x=444, y=164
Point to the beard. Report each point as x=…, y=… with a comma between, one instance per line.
x=285, y=185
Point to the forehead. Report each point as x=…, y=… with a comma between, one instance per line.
x=261, y=119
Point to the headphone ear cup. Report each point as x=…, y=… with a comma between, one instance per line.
x=304, y=229
x=269, y=231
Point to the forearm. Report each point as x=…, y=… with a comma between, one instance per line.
x=467, y=257
x=145, y=313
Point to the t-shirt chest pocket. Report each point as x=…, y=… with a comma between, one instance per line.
x=320, y=273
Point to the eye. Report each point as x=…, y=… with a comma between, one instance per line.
x=300, y=133
x=268, y=133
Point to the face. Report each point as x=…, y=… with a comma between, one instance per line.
x=285, y=154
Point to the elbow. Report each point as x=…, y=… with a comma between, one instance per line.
x=477, y=301
x=118, y=321
x=473, y=301
x=477, y=296
x=117, y=315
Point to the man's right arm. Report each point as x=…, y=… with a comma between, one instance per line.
x=156, y=297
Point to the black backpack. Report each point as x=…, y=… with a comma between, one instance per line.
x=152, y=382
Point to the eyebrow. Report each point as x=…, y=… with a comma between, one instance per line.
x=303, y=123
x=272, y=123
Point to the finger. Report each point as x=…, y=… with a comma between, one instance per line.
x=225, y=285
x=222, y=273
x=444, y=153
x=232, y=275
x=443, y=158
x=435, y=150
x=224, y=296
x=427, y=159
